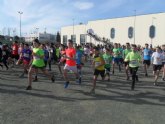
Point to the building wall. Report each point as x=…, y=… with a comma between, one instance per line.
x=142, y=24
x=43, y=37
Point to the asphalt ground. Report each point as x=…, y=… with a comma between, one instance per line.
x=49, y=103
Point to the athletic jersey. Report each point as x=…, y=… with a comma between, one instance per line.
x=26, y=54
x=120, y=52
x=46, y=54
x=163, y=54
x=79, y=55
x=97, y=61
x=57, y=52
x=147, y=54
x=5, y=54
x=37, y=61
x=157, y=58
x=116, y=53
x=15, y=49
x=108, y=59
x=70, y=52
x=133, y=58
x=126, y=51
x=86, y=51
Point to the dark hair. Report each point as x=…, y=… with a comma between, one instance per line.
x=96, y=48
x=26, y=44
x=36, y=41
x=70, y=41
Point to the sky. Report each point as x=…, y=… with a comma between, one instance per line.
x=51, y=15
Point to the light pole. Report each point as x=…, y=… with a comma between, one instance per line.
x=134, y=25
x=37, y=32
x=73, y=26
x=20, y=13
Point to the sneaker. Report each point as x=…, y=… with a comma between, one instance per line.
x=92, y=91
x=113, y=72
x=137, y=79
x=79, y=80
x=127, y=78
x=29, y=88
x=163, y=79
x=66, y=84
x=146, y=75
x=155, y=84
x=53, y=79
x=22, y=75
x=1, y=66
x=108, y=79
x=35, y=79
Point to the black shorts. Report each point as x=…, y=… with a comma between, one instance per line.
x=36, y=67
x=99, y=72
x=157, y=67
x=163, y=63
x=147, y=62
x=121, y=60
x=126, y=63
x=107, y=70
x=15, y=56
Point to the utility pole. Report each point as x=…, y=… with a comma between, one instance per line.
x=20, y=13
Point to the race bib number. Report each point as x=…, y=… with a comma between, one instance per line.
x=158, y=59
x=134, y=62
x=146, y=53
x=26, y=55
x=36, y=58
x=107, y=61
x=97, y=64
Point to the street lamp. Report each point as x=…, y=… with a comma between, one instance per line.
x=73, y=26
x=37, y=32
x=134, y=24
x=20, y=21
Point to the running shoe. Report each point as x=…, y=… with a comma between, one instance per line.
x=53, y=79
x=92, y=91
x=78, y=80
x=66, y=84
x=29, y=88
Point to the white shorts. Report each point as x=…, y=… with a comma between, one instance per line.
x=70, y=68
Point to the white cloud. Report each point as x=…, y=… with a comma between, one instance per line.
x=111, y=4
x=83, y=5
x=36, y=13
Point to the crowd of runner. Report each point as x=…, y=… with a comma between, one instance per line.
x=103, y=60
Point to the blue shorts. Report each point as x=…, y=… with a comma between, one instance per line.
x=116, y=60
x=163, y=63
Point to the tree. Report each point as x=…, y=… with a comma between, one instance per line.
x=58, y=37
x=16, y=38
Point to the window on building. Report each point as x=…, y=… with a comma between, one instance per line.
x=82, y=38
x=73, y=38
x=130, y=32
x=152, y=31
x=65, y=39
x=112, y=33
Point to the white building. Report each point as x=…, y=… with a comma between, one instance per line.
x=139, y=29
x=43, y=37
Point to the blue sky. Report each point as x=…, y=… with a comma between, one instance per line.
x=53, y=14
